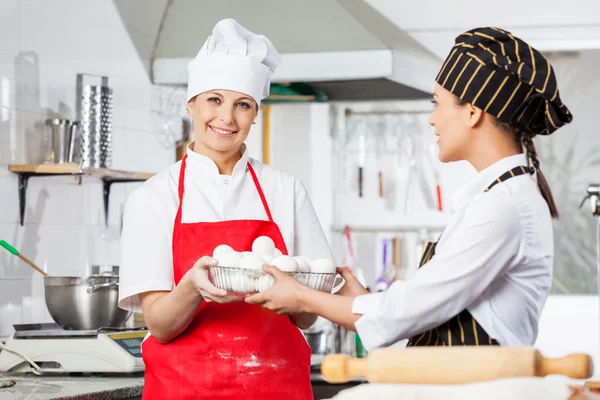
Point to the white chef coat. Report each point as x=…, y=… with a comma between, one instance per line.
x=146, y=252
x=494, y=258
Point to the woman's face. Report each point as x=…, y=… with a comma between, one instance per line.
x=222, y=119
x=451, y=122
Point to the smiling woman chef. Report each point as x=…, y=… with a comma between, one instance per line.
x=487, y=279
x=198, y=348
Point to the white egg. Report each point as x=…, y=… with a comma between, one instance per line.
x=285, y=263
x=265, y=282
x=251, y=261
x=248, y=286
x=268, y=258
x=263, y=245
x=231, y=259
x=303, y=265
x=233, y=283
x=277, y=253
x=220, y=250
x=322, y=266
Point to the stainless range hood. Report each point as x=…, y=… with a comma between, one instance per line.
x=344, y=48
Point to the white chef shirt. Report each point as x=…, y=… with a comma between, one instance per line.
x=494, y=258
x=146, y=252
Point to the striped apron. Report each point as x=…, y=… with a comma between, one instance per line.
x=463, y=329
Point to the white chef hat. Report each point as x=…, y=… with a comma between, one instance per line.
x=233, y=58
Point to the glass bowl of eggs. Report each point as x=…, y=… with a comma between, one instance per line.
x=240, y=273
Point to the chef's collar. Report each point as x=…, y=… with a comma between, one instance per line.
x=199, y=163
x=484, y=178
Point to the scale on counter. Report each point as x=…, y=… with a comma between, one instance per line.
x=57, y=350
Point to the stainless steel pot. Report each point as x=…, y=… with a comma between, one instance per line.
x=319, y=342
x=85, y=303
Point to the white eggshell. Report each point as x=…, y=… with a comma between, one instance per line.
x=322, y=266
x=285, y=263
x=265, y=282
x=231, y=259
x=233, y=282
x=268, y=258
x=263, y=245
x=220, y=250
x=251, y=261
x=303, y=265
x=277, y=253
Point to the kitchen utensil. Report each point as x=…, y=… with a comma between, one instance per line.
x=80, y=303
x=383, y=281
x=408, y=162
x=351, y=258
x=320, y=342
x=16, y=252
x=452, y=365
x=241, y=281
x=379, y=137
x=62, y=139
x=362, y=155
x=85, y=303
x=94, y=114
x=396, y=256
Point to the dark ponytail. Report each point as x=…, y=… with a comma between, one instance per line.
x=526, y=138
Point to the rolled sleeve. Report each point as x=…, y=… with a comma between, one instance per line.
x=369, y=330
x=465, y=265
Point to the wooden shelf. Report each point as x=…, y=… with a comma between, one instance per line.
x=75, y=169
x=107, y=176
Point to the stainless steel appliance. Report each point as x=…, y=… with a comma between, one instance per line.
x=47, y=348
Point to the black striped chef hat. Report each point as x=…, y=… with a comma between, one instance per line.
x=505, y=77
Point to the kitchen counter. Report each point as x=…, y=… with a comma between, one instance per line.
x=29, y=386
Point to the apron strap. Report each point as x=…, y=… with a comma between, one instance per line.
x=260, y=192
x=180, y=190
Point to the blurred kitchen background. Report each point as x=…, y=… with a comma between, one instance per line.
x=352, y=94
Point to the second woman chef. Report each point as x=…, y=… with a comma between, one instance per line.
x=487, y=279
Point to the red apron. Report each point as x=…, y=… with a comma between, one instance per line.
x=229, y=351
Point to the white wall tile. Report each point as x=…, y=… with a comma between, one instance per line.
x=7, y=79
x=9, y=196
x=64, y=230
x=11, y=22
x=56, y=249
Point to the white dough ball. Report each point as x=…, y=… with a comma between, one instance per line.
x=277, y=253
x=263, y=245
x=322, y=266
x=231, y=259
x=285, y=263
x=268, y=258
x=220, y=250
x=303, y=265
x=251, y=261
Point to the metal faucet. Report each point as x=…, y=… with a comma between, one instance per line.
x=593, y=193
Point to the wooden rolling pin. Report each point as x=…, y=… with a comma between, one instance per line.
x=452, y=365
